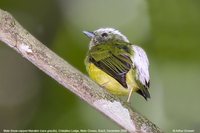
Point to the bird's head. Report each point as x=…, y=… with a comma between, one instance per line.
x=105, y=35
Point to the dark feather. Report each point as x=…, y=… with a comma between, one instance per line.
x=144, y=92
x=109, y=66
x=114, y=62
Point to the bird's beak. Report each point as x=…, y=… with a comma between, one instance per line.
x=89, y=34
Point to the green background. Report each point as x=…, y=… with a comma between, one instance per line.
x=168, y=30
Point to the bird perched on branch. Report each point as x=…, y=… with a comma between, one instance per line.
x=116, y=64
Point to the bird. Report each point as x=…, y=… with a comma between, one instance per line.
x=116, y=64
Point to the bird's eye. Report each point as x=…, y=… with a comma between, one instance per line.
x=104, y=34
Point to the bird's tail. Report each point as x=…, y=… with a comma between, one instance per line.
x=145, y=93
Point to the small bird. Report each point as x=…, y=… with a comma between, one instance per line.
x=116, y=64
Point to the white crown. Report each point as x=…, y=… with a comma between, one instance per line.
x=114, y=31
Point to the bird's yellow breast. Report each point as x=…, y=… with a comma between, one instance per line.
x=108, y=82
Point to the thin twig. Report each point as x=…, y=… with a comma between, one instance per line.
x=14, y=35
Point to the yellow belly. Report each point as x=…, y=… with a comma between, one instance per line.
x=112, y=85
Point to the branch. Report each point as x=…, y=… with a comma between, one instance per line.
x=14, y=35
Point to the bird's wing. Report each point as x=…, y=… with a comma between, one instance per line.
x=113, y=63
x=141, y=64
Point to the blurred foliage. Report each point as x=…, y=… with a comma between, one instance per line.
x=168, y=30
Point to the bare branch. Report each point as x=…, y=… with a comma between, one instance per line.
x=14, y=35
